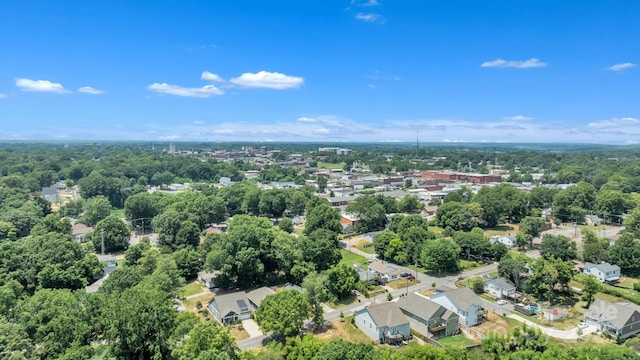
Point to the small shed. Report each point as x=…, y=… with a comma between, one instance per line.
x=555, y=314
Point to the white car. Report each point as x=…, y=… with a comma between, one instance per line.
x=502, y=302
x=583, y=325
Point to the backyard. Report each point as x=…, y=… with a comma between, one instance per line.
x=350, y=258
x=341, y=329
x=365, y=246
x=459, y=340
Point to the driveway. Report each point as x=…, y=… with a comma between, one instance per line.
x=252, y=328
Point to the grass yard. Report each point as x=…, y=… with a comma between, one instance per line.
x=238, y=332
x=365, y=246
x=342, y=330
x=458, y=340
x=627, y=282
x=349, y=258
x=466, y=264
x=118, y=212
x=330, y=166
x=427, y=292
x=191, y=289
x=503, y=229
x=342, y=302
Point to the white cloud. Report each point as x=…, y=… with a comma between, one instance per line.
x=622, y=66
x=305, y=119
x=372, y=86
x=3, y=96
x=518, y=118
x=500, y=63
x=203, y=92
x=40, y=86
x=366, y=3
x=370, y=17
x=197, y=122
x=614, y=123
x=321, y=131
x=268, y=80
x=223, y=131
x=211, y=77
x=90, y=90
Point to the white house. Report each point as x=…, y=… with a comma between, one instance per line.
x=463, y=302
x=384, y=270
x=499, y=288
x=231, y=307
x=384, y=323
x=604, y=272
x=509, y=241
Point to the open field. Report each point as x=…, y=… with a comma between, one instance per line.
x=402, y=283
x=497, y=324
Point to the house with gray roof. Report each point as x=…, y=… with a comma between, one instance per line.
x=231, y=307
x=500, y=288
x=256, y=296
x=384, y=323
x=604, y=272
x=619, y=320
x=384, y=270
x=461, y=301
x=427, y=317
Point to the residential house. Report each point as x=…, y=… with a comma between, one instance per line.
x=80, y=231
x=208, y=278
x=256, y=296
x=349, y=219
x=461, y=301
x=427, y=317
x=384, y=323
x=500, y=288
x=384, y=270
x=50, y=193
x=556, y=314
x=231, y=307
x=109, y=267
x=508, y=240
x=619, y=320
x=593, y=220
x=604, y=272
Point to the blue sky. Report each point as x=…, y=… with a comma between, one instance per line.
x=321, y=70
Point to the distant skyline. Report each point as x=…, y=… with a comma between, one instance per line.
x=321, y=71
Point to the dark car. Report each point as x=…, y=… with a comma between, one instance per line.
x=404, y=275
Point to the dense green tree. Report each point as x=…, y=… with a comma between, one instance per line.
x=595, y=249
x=440, y=255
x=273, y=203
x=95, y=209
x=548, y=274
x=456, y=216
x=473, y=242
x=142, y=205
x=323, y=216
x=188, y=261
x=51, y=223
x=498, y=250
x=558, y=246
x=286, y=225
x=512, y=268
x=140, y=323
x=632, y=223
x=315, y=201
x=23, y=218
x=283, y=313
x=531, y=227
x=72, y=209
x=410, y=204
x=342, y=280
x=382, y=240
x=573, y=203
x=207, y=341
x=7, y=231
x=625, y=252
x=317, y=290
x=119, y=281
x=187, y=236
x=116, y=234
x=371, y=214
x=612, y=202
x=340, y=349
x=321, y=248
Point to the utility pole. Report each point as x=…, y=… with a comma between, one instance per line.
x=102, y=240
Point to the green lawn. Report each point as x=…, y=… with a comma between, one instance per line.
x=458, y=340
x=503, y=229
x=466, y=265
x=118, y=212
x=191, y=289
x=627, y=282
x=365, y=246
x=330, y=166
x=349, y=258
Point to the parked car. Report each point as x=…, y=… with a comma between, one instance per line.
x=404, y=275
x=411, y=277
x=502, y=302
x=583, y=325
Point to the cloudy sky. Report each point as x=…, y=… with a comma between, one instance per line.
x=361, y=70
